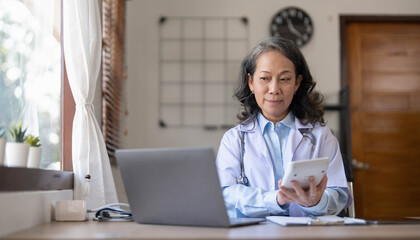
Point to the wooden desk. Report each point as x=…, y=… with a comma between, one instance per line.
x=266, y=230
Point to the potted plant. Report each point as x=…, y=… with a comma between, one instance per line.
x=35, y=151
x=2, y=145
x=17, y=150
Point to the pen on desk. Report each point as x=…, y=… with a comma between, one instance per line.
x=314, y=218
x=316, y=221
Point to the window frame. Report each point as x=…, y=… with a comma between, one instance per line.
x=67, y=110
x=40, y=179
x=31, y=179
x=34, y=179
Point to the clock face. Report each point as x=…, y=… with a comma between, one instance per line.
x=294, y=24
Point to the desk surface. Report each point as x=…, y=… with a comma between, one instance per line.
x=266, y=230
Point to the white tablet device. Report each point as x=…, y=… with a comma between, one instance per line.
x=300, y=171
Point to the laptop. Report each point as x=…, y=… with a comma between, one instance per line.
x=175, y=186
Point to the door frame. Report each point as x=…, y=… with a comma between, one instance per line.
x=345, y=129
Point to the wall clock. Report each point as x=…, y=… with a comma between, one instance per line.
x=292, y=23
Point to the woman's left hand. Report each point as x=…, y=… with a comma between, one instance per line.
x=306, y=198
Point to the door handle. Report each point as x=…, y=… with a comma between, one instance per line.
x=359, y=165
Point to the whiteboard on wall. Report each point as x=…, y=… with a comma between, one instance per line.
x=199, y=62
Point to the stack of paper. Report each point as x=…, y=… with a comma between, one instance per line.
x=321, y=220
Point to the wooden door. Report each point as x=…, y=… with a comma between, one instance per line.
x=383, y=74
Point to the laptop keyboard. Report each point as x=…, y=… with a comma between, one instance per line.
x=245, y=221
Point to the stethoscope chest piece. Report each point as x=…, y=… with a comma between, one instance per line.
x=242, y=179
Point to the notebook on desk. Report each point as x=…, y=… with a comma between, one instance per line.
x=175, y=186
x=328, y=220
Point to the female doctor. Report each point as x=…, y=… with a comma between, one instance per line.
x=282, y=121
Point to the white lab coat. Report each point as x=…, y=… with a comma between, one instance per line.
x=257, y=160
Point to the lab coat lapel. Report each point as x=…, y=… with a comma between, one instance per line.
x=257, y=139
x=295, y=137
x=294, y=141
x=265, y=165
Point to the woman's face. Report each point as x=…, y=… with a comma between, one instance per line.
x=274, y=84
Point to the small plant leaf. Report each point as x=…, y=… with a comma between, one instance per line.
x=1, y=131
x=32, y=141
x=17, y=134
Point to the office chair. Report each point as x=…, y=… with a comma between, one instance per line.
x=350, y=209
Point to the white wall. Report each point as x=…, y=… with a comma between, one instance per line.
x=22, y=210
x=322, y=54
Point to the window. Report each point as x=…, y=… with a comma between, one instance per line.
x=30, y=68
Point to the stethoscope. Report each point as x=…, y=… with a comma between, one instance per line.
x=306, y=133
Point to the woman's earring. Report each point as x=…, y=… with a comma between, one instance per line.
x=252, y=91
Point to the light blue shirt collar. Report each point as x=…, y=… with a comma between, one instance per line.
x=288, y=121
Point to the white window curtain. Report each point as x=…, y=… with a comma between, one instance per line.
x=82, y=51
